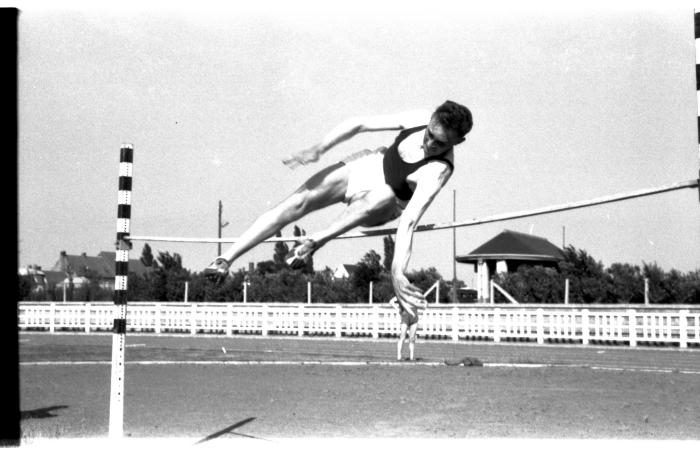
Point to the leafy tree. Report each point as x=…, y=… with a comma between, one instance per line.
x=26, y=284
x=266, y=267
x=368, y=270
x=281, y=252
x=425, y=278
x=689, y=288
x=664, y=287
x=625, y=284
x=388, y=252
x=327, y=289
x=146, y=256
x=446, y=289
x=283, y=286
x=203, y=290
x=168, y=278
x=138, y=288
x=531, y=284
x=586, y=276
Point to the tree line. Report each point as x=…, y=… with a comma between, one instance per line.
x=273, y=281
x=591, y=282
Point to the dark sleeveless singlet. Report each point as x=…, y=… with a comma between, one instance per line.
x=396, y=170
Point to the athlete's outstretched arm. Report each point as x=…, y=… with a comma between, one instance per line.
x=353, y=126
x=433, y=177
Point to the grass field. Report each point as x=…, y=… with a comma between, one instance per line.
x=212, y=388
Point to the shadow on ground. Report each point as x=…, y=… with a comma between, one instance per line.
x=229, y=430
x=44, y=412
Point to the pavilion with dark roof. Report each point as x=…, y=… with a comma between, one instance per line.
x=505, y=253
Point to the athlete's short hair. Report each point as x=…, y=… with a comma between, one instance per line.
x=454, y=116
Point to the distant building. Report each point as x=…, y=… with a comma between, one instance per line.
x=505, y=253
x=78, y=267
x=36, y=275
x=344, y=271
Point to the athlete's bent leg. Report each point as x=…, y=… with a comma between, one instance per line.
x=412, y=341
x=323, y=189
x=402, y=336
x=364, y=209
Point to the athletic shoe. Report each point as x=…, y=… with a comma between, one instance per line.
x=301, y=254
x=218, y=270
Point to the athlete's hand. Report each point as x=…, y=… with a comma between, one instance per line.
x=408, y=295
x=304, y=157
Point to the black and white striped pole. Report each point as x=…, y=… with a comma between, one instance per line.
x=697, y=84
x=116, y=401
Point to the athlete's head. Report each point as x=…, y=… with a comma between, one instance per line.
x=448, y=125
x=455, y=117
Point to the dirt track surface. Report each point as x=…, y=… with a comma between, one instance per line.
x=206, y=388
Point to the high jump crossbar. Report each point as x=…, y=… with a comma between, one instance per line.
x=448, y=225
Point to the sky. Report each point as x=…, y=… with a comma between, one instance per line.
x=568, y=105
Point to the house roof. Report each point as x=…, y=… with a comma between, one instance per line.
x=103, y=264
x=52, y=277
x=135, y=265
x=347, y=268
x=510, y=245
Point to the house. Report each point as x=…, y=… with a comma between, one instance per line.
x=344, y=271
x=35, y=274
x=505, y=253
x=102, y=266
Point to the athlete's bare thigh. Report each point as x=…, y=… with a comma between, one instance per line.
x=324, y=188
x=379, y=205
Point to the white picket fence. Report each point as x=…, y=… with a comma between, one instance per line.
x=626, y=324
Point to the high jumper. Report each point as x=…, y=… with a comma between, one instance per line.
x=378, y=186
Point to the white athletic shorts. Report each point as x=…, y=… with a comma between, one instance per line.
x=366, y=172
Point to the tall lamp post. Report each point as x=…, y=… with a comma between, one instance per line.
x=454, y=247
x=220, y=226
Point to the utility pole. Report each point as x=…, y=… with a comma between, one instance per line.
x=220, y=226
x=454, y=247
x=563, y=236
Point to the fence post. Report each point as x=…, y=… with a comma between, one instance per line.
x=338, y=320
x=87, y=317
x=300, y=320
x=265, y=314
x=375, y=328
x=455, y=324
x=193, y=319
x=683, y=332
x=229, y=319
x=584, y=327
x=646, y=291
x=496, y=323
x=159, y=315
x=52, y=318
x=540, y=326
x=632, y=326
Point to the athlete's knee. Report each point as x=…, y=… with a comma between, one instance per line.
x=294, y=206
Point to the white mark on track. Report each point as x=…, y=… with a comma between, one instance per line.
x=362, y=363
